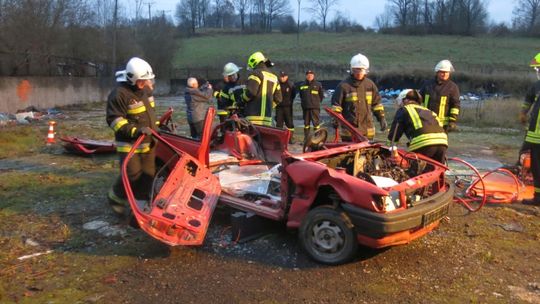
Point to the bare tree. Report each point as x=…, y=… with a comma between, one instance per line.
x=242, y=6
x=275, y=9
x=400, y=10
x=321, y=8
x=526, y=15
x=473, y=15
x=187, y=13
x=384, y=20
x=218, y=12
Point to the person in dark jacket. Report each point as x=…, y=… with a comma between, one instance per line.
x=357, y=97
x=198, y=100
x=262, y=92
x=284, y=110
x=311, y=96
x=130, y=113
x=230, y=101
x=421, y=126
x=532, y=138
x=441, y=95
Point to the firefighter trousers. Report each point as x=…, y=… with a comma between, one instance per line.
x=437, y=152
x=140, y=170
x=535, y=169
x=284, y=115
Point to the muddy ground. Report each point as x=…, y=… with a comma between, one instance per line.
x=54, y=204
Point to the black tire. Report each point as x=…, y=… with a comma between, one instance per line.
x=327, y=237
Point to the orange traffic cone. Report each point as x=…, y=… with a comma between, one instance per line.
x=50, y=134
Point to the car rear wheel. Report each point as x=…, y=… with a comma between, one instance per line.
x=326, y=236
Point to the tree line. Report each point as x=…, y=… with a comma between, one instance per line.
x=95, y=37
x=81, y=37
x=445, y=17
x=456, y=17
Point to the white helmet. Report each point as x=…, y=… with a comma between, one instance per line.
x=230, y=69
x=408, y=94
x=401, y=96
x=444, y=66
x=121, y=76
x=359, y=61
x=136, y=69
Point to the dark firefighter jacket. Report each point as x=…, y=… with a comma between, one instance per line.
x=230, y=97
x=288, y=93
x=531, y=101
x=442, y=98
x=420, y=125
x=311, y=94
x=129, y=110
x=261, y=94
x=355, y=99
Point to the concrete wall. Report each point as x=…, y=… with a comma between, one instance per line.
x=46, y=92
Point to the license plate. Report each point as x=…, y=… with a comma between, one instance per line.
x=434, y=215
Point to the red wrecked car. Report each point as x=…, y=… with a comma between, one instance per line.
x=338, y=195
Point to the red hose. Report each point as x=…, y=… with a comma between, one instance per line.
x=465, y=202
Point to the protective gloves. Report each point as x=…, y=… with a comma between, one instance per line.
x=144, y=130
x=451, y=127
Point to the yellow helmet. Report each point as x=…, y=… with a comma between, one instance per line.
x=535, y=62
x=255, y=59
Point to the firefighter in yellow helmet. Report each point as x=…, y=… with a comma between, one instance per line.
x=262, y=91
x=441, y=95
x=531, y=106
x=421, y=126
x=357, y=97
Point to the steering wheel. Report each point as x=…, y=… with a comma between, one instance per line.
x=315, y=141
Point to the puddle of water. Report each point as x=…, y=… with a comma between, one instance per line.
x=483, y=164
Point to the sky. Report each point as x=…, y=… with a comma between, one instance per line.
x=362, y=11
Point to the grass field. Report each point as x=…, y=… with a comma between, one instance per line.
x=331, y=52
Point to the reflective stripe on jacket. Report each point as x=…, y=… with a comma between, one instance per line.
x=128, y=110
x=420, y=125
x=311, y=94
x=261, y=94
x=442, y=98
x=356, y=100
x=532, y=105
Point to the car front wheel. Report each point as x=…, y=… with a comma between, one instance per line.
x=326, y=236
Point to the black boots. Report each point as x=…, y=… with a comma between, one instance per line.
x=535, y=201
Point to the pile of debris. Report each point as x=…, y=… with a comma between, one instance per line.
x=29, y=115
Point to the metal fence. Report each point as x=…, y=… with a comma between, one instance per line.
x=31, y=64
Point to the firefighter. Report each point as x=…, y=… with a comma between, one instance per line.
x=231, y=95
x=262, y=91
x=311, y=95
x=531, y=106
x=441, y=95
x=218, y=89
x=357, y=96
x=284, y=110
x=130, y=113
x=421, y=126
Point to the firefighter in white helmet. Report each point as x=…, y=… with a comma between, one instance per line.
x=357, y=97
x=230, y=96
x=131, y=113
x=441, y=95
x=421, y=126
x=531, y=106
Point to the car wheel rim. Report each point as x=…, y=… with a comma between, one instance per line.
x=327, y=237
